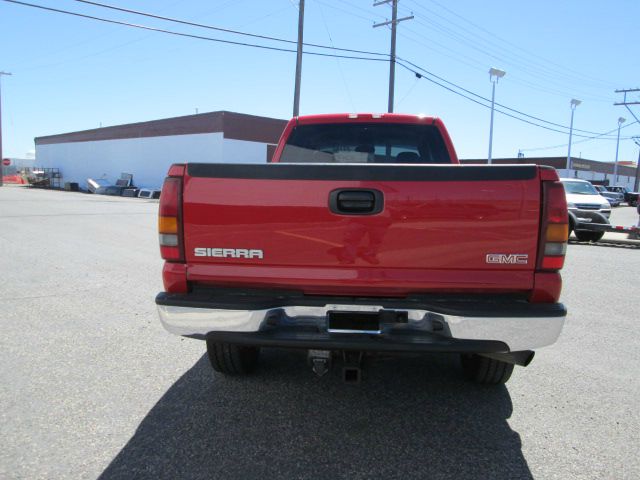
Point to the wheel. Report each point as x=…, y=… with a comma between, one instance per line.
x=485, y=371
x=589, y=236
x=232, y=359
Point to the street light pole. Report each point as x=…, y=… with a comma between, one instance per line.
x=574, y=104
x=621, y=120
x=494, y=75
x=1, y=158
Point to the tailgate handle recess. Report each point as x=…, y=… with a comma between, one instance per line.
x=355, y=202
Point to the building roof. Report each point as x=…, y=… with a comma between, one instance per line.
x=236, y=126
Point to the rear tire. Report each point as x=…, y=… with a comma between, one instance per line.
x=589, y=236
x=485, y=371
x=232, y=359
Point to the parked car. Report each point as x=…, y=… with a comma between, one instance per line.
x=630, y=197
x=364, y=235
x=614, y=198
x=585, y=205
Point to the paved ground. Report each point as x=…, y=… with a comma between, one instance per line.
x=93, y=387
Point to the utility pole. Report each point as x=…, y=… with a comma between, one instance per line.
x=1, y=157
x=296, y=93
x=625, y=103
x=392, y=60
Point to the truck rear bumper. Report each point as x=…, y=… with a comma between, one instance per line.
x=420, y=324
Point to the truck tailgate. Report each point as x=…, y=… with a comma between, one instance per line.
x=433, y=227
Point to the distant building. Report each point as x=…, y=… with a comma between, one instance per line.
x=629, y=163
x=600, y=172
x=147, y=149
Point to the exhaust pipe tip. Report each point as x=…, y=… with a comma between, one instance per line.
x=522, y=358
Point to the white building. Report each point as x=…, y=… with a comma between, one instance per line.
x=147, y=149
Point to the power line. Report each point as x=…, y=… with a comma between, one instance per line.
x=498, y=104
x=392, y=58
x=545, y=61
x=540, y=83
x=456, y=55
x=200, y=37
x=537, y=61
x=597, y=134
x=344, y=80
x=551, y=147
x=188, y=35
x=506, y=55
x=625, y=103
x=473, y=43
x=477, y=101
x=368, y=12
x=220, y=29
x=461, y=58
x=485, y=105
x=500, y=44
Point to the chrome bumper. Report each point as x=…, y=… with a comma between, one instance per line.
x=581, y=217
x=518, y=332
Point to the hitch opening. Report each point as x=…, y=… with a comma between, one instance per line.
x=352, y=369
x=321, y=362
x=352, y=374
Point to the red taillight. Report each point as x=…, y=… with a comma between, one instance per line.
x=170, y=216
x=552, y=263
x=554, y=227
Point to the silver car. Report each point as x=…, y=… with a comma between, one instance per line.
x=585, y=205
x=615, y=198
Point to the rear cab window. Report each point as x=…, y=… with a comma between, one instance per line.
x=365, y=143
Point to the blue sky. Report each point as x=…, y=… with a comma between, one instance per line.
x=73, y=74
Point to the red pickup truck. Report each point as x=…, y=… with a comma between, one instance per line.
x=364, y=235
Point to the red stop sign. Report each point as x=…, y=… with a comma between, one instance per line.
x=6, y=162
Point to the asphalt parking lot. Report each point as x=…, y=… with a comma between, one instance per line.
x=92, y=386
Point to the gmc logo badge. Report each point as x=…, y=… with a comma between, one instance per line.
x=509, y=259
